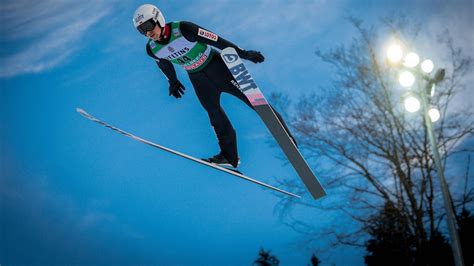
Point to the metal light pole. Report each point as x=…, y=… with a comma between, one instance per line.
x=450, y=217
x=395, y=55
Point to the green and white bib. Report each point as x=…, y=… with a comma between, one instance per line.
x=192, y=56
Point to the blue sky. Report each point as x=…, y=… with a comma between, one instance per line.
x=74, y=192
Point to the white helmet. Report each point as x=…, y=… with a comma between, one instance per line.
x=147, y=12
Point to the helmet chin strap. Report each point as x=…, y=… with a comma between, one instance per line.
x=163, y=32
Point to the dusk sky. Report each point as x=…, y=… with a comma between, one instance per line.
x=73, y=192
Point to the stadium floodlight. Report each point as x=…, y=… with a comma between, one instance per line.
x=411, y=60
x=394, y=53
x=412, y=104
x=434, y=114
x=406, y=79
x=427, y=66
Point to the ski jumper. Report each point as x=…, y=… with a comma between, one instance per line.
x=189, y=45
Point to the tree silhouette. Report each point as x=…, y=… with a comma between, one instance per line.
x=393, y=243
x=466, y=234
x=369, y=151
x=266, y=259
x=315, y=261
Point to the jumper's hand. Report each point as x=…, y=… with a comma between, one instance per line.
x=253, y=56
x=176, y=89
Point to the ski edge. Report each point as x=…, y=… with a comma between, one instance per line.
x=85, y=114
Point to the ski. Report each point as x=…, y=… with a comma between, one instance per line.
x=217, y=167
x=248, y=86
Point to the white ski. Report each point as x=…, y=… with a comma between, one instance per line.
x=248, y=86
x=234, y=173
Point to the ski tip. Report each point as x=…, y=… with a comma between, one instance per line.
x=81, y=111
x=84, y=113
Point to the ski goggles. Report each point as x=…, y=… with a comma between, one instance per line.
x=146, y=26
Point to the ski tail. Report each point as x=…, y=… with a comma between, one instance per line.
x=272, y=121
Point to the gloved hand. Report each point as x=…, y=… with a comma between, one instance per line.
x=176, y=89
x=253, y=56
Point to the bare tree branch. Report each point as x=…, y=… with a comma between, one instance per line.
x=372, y=151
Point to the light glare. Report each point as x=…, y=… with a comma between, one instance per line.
x=394, y=53
x=411, y=60
x=412, y=104
x=427, y=66
x=434, y=114
x=406, y=79
x=433, y=88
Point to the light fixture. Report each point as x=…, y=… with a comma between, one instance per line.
x=412, y=104
x=411, y=60
x=439, y=75
x=394, y=53
x=434, y=114
x=406, y=79
x=427, y=66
